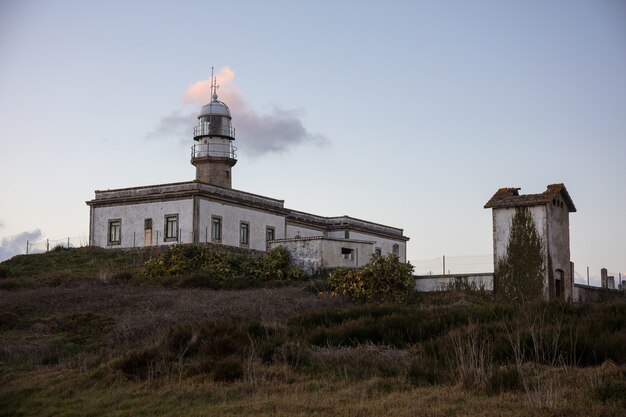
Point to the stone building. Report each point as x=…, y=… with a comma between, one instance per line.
x=208, y=209
x=550, y=213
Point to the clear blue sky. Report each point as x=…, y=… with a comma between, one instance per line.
x=411, y=113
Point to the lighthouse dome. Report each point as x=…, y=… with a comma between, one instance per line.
x=214, y=108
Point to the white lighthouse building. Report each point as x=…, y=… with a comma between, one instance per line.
x=208, y=210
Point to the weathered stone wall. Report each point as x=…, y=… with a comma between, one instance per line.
x=431, y=283
x=314, y=253
x=558, y=247
x=305, y=253
x=588, y=294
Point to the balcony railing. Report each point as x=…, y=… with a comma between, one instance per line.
x=209, y=129
x=224, y=150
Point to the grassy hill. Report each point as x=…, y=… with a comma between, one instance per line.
x=84, y=332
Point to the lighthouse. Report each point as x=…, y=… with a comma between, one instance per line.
x=213, y=154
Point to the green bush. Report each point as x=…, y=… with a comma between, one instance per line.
x=200, y=266
x=382, y=279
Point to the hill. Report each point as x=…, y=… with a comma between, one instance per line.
x=83, y=332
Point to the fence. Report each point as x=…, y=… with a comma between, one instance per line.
x=136, y=240
x=50, y=244
x=445, y=265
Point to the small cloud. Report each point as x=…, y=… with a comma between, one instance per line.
x=258, y=133
x=175, y=125
x=16, y=244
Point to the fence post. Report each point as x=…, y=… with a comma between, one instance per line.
x=26, y=247
x=444, y=264
x=47, y=245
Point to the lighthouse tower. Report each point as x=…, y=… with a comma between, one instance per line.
x=214, y=153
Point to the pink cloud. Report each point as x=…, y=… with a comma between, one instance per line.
x=258, y=133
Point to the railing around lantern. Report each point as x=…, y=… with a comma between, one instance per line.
x=208, y=129
x=225, y=150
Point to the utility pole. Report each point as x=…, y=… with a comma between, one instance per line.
x=444, y=264
x=587, y=276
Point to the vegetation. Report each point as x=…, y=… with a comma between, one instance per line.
x=200, y=266
x=382, y=279
x=123, y=348
x=520, y=273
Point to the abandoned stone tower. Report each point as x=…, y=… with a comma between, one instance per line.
x=208, y=209
x=550, y=213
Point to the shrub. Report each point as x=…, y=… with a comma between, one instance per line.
x=504, y=379
x=8, y=320
x=228, y=370
x=292, y=354
x=519, y=274
x=276, y=265
x=140, y=364
x=4, y=271
x=611, y=390
x=424, y=371
x=200, y=266
x=382, y=279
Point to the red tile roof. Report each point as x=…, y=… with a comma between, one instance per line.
x=510, y=197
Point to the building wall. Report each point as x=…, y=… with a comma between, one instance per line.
x=305, y=253
x=502, y=222
x=311, y=254
x=385, y=244
x=558, y=247
x=302, y=231
x=430, y=283
x=332, y=257
x=232, y=216
x=132, y=222
x=586, y=294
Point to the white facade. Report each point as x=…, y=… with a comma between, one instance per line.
x=245, y=220
x=132, y=217
x=232, y=216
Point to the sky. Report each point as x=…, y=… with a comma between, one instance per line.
x=406, y=113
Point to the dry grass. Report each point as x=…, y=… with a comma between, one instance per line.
x=60, y=349
x=282, y=392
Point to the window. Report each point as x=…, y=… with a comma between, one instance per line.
x=227, y=174
x=115, y=232
x=269, y=233
x=216, y=229
x=147, y=224
x=346, y=234
x=378, y=251
x=171, y=227
x=396, y=249
x=347, y=253
x=244, y=233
